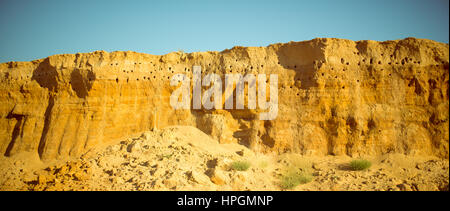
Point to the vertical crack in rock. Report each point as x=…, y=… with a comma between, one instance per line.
x=16, y=132
x=47, y=121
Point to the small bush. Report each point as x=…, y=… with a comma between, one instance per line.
x=359, y=165
x=240, y=165
x=293, y=179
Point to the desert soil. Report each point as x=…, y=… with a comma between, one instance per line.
x=184, y=158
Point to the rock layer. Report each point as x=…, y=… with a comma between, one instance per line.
x=335, y=97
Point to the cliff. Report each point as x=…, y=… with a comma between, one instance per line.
x=335, y=97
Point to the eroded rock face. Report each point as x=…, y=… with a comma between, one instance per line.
x=335, y=97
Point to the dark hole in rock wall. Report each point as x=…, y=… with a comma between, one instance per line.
x=82, y=81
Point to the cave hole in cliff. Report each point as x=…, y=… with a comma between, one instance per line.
x=379, y=62
x=371, y=61
x=117, y=80
x=323, y=74
x=342, y=61
x=351, y=122
x=432, y=83
x=348, y=63
x=371, y=124
x=357, y=81
x=390, y=63
x=266, y=138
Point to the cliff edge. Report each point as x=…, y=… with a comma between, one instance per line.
x=336, y=96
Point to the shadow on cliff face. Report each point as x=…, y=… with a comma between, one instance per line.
x=16, y=131
x=46, y=75
x=47, y=120
x=291, y=57
x=81, y=81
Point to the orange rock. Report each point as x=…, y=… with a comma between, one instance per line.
x=336, y=97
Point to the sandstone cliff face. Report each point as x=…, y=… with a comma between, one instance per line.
x=335, y=97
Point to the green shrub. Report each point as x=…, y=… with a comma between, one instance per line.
x=240, y=165
x=293, y=179
x=359, y=165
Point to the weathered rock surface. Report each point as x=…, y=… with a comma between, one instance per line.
x=335, y=97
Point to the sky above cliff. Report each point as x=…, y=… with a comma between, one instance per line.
x=36, y=29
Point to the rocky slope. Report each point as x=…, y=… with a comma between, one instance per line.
x=184, y=158
x=336, y=97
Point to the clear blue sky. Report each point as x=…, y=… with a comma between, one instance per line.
x=36, y=29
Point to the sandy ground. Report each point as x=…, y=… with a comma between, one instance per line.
x=184, y=158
